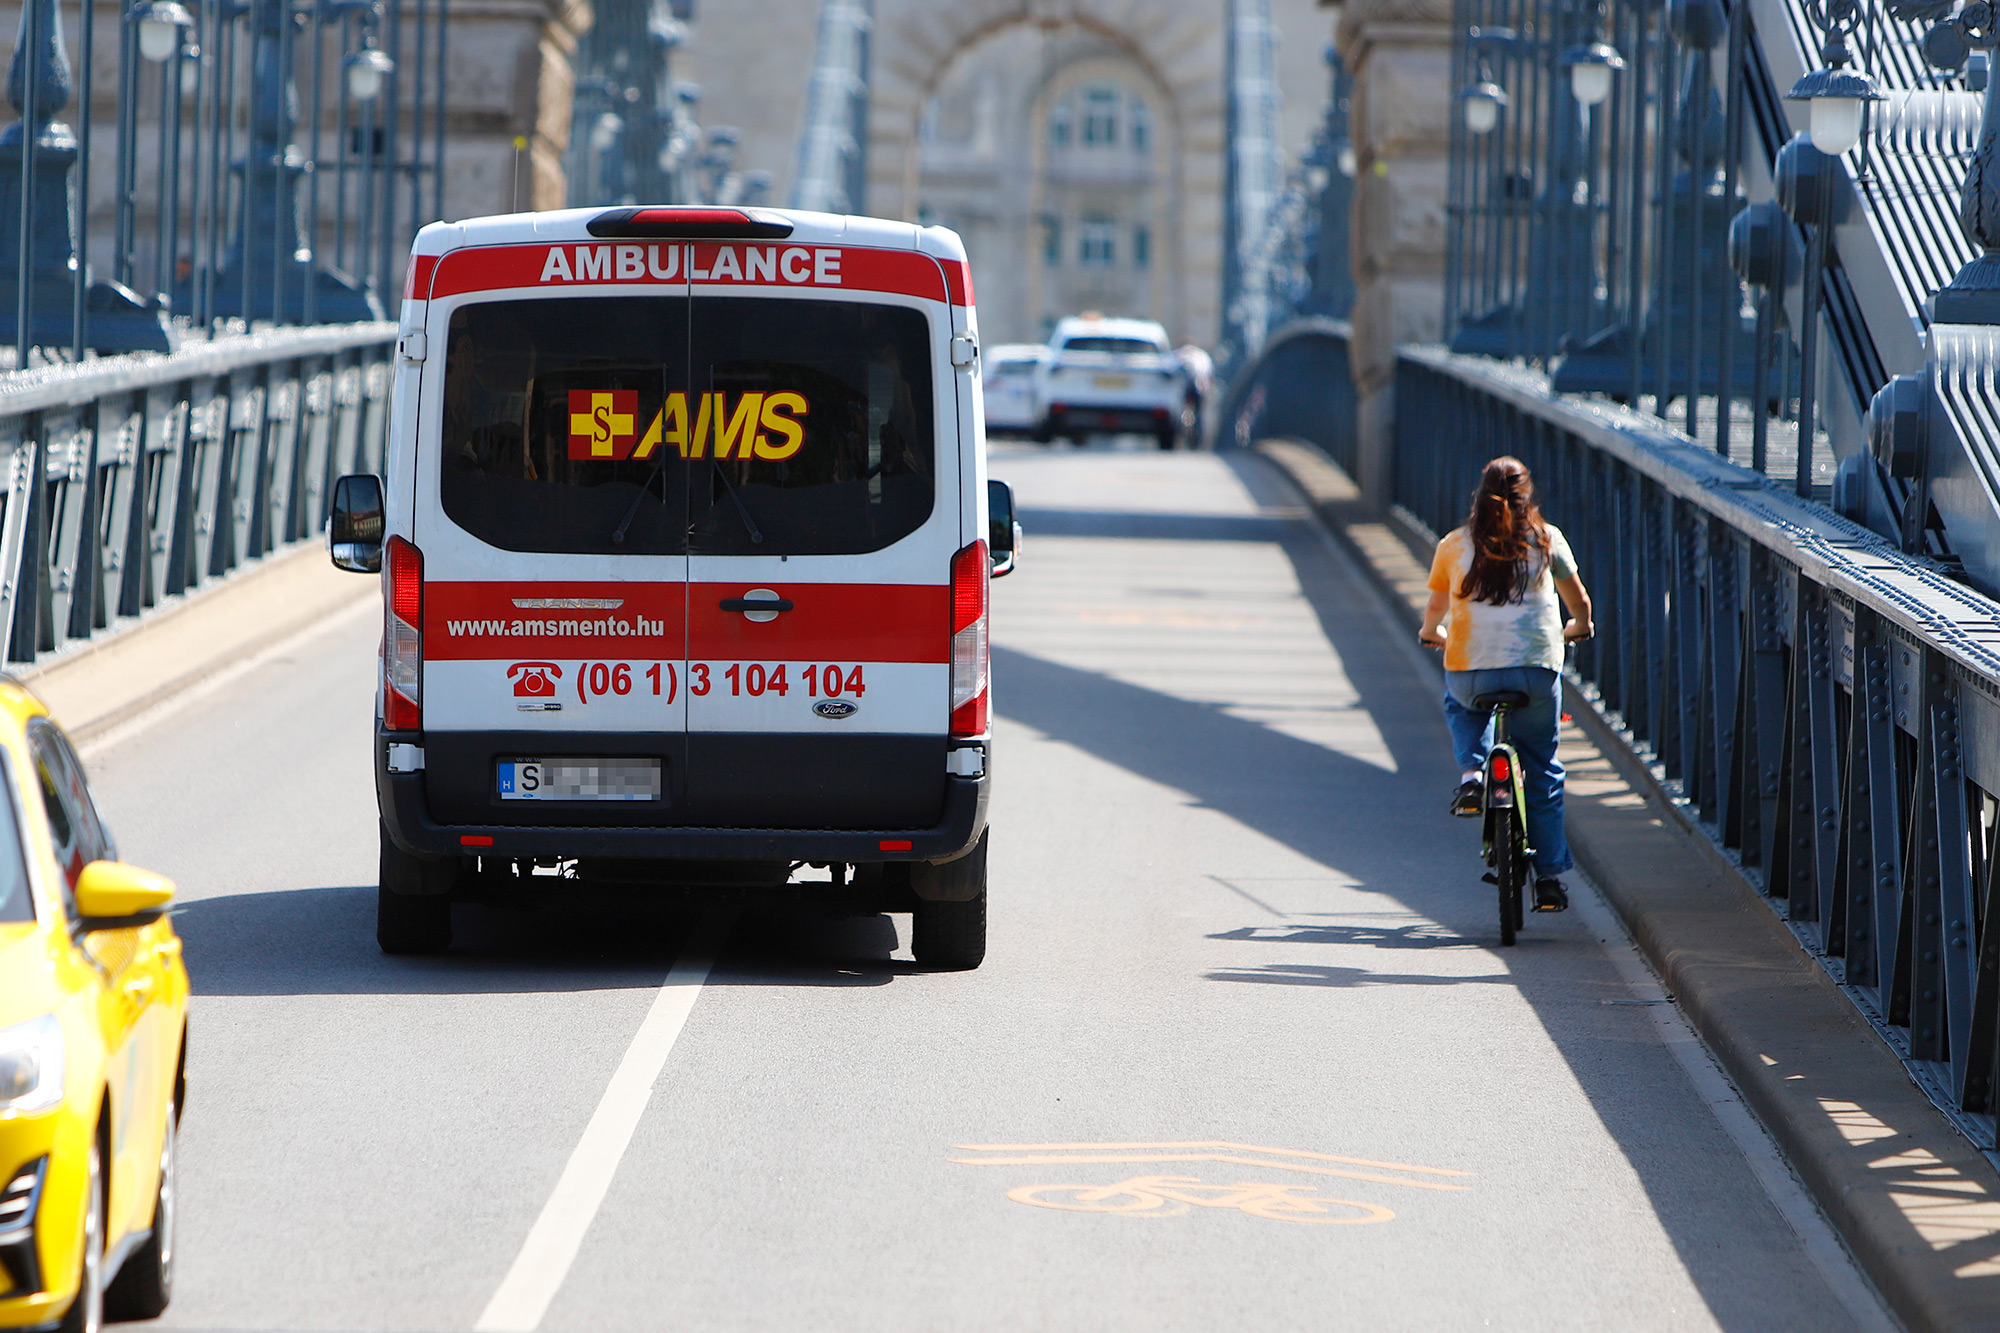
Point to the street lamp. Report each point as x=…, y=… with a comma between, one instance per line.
x=1833, y=98
x=1834, y=95
x=1482, y=103
x=1591, y=66
x=161, y=24
x=366, y=69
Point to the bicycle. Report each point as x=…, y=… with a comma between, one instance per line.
x=1504, y=814
x=1172, y=1196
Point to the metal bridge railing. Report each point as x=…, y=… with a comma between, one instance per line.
x=1828, y=707
x=134, y=479
x=268, y=162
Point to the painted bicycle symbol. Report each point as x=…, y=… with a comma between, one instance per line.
x=1176, y=1196
x=1171, y=1196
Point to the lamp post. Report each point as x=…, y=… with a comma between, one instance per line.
x=1559, y=292
x=39, y=265
x=1810, y=188
x=269, y=263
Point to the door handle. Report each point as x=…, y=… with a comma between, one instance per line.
x=758, y=604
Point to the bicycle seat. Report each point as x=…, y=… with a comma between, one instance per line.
x=1493, y=699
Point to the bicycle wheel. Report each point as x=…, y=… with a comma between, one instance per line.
x=1507, y=870
x=1121, y=1199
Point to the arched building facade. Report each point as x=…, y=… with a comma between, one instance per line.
x=1076, y=144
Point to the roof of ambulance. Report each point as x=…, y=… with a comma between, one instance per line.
x=570, y=224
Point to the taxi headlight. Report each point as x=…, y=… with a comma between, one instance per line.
x=31, y=1065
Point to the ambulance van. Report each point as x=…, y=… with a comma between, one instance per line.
x=685, y=540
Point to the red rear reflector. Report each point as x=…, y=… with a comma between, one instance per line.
x=406, y=582
x=474, y=840
x=893, y=845
x=968, y=585
x=403, y=638
x=689, y=224
x=1502, y=770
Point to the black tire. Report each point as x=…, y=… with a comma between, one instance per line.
x=1167, y=437
x=86, y=1312
x=1507, y=869
x=950, y=934
x=413, y=902
x=145, y=1282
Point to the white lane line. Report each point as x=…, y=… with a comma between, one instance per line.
x=553, y=1241
x=1713, y=1085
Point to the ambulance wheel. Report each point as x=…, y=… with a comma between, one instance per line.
x=413, y=902
x=948, y=927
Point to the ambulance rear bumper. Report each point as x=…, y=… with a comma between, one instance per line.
x=404, y=812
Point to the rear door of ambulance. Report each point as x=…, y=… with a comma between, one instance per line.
x=824, y=492
x=553, y=529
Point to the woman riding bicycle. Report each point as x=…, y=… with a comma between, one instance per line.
x=1499, y=577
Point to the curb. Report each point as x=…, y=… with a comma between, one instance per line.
x=1917, y=1205
x=100, y=684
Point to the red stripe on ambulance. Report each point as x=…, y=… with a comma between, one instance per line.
x=725, y=263
x=858, y=622
x=481, y=621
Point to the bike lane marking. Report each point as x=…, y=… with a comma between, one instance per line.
x=1172, y=1196
x=552, y=1243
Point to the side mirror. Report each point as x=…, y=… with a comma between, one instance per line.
x=354, y=538
x=111, y=895
x=1003, y=531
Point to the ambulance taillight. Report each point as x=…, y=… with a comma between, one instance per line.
x=403, y=638
x=970, y=582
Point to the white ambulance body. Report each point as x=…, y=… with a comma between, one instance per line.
x=685, y=563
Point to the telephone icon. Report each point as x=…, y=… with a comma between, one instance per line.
x=534, y=682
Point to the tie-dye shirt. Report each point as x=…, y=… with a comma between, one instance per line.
x=1480, y=635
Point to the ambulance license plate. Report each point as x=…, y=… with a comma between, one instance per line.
x=580, y=780
x=1112, y=381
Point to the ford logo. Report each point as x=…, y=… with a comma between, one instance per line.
x=836, y=708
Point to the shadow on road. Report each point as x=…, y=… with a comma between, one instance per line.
x=1159, y=527
x=1304, y=974
x=321, y=941
x=1385, y=833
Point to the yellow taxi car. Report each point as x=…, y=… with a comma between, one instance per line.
x=93, y=1021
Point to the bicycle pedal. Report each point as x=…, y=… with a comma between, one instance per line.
x=1490, y=877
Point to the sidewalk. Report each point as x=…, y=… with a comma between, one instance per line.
x=1916, y=1203
x=95, y=686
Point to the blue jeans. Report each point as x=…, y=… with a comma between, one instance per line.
x=1532, y=732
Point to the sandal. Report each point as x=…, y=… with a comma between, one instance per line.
x=1469, y=800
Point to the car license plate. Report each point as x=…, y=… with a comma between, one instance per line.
x=1112, y=381
x=580, y=780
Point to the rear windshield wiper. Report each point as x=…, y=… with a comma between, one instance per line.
x=750, y=523
x=632, y=510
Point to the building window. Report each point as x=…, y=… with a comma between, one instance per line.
x=1142, y=128
x=1142, y=246
x=1100, y=117
x=1051, y=242
x=1097, y=243
x=1059, y=125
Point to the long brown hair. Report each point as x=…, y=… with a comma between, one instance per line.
x=1504, y=525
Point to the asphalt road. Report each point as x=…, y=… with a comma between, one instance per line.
x=1241, y=965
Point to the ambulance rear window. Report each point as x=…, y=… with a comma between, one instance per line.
x=660, y=425
x=543, y=402
x=846, y=461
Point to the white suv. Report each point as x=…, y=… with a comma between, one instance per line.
x=1110, y=376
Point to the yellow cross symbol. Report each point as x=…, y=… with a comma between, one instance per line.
x=602, y=424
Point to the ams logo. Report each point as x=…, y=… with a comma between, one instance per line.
x=603, y=425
